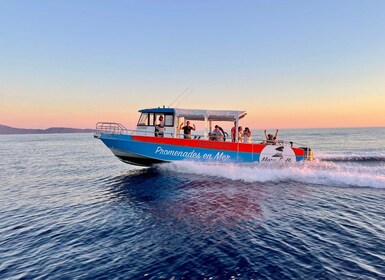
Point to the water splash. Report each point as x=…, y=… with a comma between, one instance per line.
x=316, y=172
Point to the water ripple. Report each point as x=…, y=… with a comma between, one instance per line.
x=89, y=216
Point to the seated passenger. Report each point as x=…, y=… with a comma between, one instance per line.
x=224, y=133
x=217, y=135
x=270, y=139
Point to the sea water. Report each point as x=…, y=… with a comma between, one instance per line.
x=69, y=209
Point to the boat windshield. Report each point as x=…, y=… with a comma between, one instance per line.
x=143, y=119
x=150, y=119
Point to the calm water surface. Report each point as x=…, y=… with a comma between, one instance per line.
x=70, y=210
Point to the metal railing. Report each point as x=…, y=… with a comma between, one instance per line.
x=118, y=128
x=110, y=128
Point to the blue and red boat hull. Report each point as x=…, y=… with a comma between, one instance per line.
x=148, y=150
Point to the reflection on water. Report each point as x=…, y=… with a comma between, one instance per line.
x=219, y=206
x=205, y=201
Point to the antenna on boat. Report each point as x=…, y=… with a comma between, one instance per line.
x=179, y=96
x=190, y=91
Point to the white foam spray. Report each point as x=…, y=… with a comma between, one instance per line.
x=316, y=172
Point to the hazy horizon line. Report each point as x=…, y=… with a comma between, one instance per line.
x=289, y=128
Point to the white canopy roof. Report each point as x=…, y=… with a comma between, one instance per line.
x=212, y=115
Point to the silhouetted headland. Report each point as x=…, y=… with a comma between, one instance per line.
x=12, y=130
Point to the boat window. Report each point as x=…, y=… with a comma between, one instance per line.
x=156, y=120
x=169, y=120
x=152, y=119
x=143, y=120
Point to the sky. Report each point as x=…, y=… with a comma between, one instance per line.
x=289, y=64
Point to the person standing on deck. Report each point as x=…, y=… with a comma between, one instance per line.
x=159, y=128
x=233, y=132
x=240, y=134
x=187, y=129
x=247, y=135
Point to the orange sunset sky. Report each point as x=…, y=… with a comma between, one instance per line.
x=289, y=65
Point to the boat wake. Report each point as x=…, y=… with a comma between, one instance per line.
x=319, y=172
x=354, y=158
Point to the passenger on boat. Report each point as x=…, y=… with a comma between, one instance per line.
x=217, y=135
x=187, y=129
x=240, y=134
x=159, y=128
x=270, y=139
x=247, y=135
x=233, y=132
x=225, y=134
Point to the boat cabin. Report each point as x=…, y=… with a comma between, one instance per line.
x=174, y=118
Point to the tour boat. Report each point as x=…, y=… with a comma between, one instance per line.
x=144, y=146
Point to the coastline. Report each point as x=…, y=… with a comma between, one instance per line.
x=13, y=130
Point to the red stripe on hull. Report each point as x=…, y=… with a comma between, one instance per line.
x=206, y=144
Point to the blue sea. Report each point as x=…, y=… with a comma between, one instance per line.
x=70, y=210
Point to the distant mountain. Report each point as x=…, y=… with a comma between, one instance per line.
x=12, y=130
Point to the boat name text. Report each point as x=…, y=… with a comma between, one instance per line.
x=276, y=159
x=219, y=156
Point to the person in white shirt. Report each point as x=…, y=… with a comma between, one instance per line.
x=159, y=128
x=247, y=135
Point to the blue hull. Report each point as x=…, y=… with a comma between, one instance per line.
x=153, y=150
